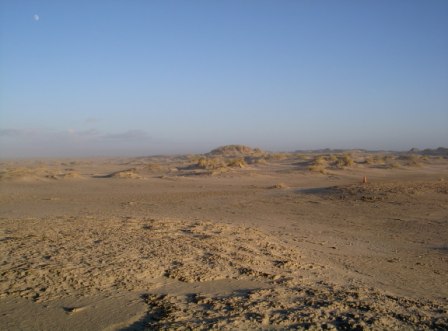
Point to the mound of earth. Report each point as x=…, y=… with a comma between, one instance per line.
x=28, y=174
x=235, y=150
x=88, y=256
x=128, y=173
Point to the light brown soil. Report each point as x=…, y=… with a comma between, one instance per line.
x=156, y=243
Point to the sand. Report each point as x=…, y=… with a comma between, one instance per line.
x=252, y=241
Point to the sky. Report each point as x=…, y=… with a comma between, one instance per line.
x=144, y=77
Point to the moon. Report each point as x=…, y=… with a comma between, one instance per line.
x=36, y=17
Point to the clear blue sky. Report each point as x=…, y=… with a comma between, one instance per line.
x=130, y=77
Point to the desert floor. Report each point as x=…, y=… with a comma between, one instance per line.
x=247, y=241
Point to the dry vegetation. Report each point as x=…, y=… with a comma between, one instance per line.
x=319, y=164
x=323, y=163
x=278, y=156
x=220, y=163
x=236, y=150
x=412, y=160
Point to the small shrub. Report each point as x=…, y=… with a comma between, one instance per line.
x=277, y=156
x=412, y=160
x=332, y=158
x=319, y=164
x=209, y=163
x=339, y=163
x=347, y=160
x=320, y=160
x=202, y=163
x=301, y=156
x=239, y=163
x=317, y=168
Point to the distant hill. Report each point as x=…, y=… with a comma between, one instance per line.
x=441, y=151
x=330, y=151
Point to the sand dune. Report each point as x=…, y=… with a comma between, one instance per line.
x=270, y=245
x=236, y=150
x=33, y=174
x=128, y=173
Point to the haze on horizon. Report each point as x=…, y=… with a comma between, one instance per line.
x=162, y=77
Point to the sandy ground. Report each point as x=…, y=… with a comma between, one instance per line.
x=257, y=241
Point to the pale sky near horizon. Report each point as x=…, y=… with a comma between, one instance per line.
x=116, y=77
